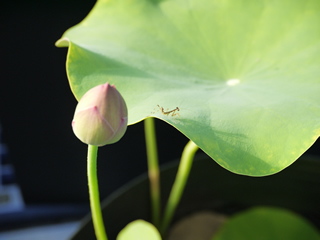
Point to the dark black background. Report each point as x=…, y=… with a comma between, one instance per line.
x=37, y=106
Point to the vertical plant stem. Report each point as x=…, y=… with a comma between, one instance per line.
x=179, y=184
x=153, y=169
x=94, y=193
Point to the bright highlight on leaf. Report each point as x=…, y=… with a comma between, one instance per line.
x=245, y=75
x=233, y=82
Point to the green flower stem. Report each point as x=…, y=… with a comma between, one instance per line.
x=153, y=169
x=179, y=184
x=94, y=193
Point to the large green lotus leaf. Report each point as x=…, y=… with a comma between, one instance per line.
x=266, y=223
x=244, y=74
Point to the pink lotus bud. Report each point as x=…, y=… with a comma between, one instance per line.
x=101, y=116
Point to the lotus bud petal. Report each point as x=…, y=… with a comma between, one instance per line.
x=101, y=116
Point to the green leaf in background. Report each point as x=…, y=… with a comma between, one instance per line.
x=139, y=230
x=244, y=74
x=265, y=223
